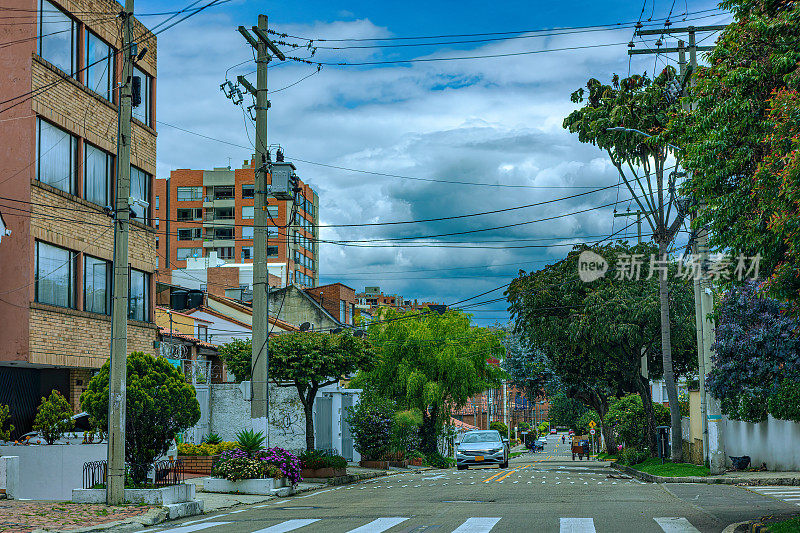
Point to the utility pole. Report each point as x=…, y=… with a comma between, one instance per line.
x=115, y=479
x=259, y=388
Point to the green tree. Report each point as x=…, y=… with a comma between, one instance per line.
x=565, y=411
x=371, y=424
x=582, y=426
x=627, y=419
x=238, y=356
x=500, y=427
x=310, y=360
x=159, y=405
x=431, y=362
x=53, y=417
x=4, y=416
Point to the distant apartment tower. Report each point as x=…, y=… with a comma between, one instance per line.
x=203, y=211
x=61, y=66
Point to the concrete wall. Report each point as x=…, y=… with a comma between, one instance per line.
x=51, y=472
x=773, y=442
x=297, y=307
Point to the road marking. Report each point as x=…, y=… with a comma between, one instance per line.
x=477, y=525
x=381, y=524
x=487, y=480
x=260, y=506
x=239, y=511
x=194, y=527
x=577, y=525
x=289, y=525
x=676, y=525
x=319, y=492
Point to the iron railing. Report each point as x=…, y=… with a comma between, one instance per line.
x=160, y=474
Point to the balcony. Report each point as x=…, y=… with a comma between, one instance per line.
x=212, y=219
x=219, y=243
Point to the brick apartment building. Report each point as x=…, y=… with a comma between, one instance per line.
x=58, y=75
x=202, y=211
x=337, y=299
x=372, y=299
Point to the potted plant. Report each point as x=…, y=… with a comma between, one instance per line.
x=322, y=464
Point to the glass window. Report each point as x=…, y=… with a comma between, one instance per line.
x=55, y=275
x=352, y=313
x=273, y=210
x=226, y=252
x=223, y=233
x=247, y=232
x=183, y=253
x=142, y=111
x=157, y=203
x=58, y=38
x=248, y=190
x=272, y=251
x=57, y=157
x=247, y=252
x=99, y=66
x=189, y=234
x=342, y=311
x=96, y=285
x=223, y=192
x=139, y=295
x=202, y=332
x=186, y=194
x=223, y=213
x=190, y=214
x=248, y=211
x=98, y=167
x=140, y=190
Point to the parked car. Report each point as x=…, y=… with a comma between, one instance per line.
x=571, y=432
x=553, y=431
x=75, y=436
x=482, y=447
x=542, y=441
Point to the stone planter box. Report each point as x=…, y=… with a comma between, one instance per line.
x=316, y=473
x=197, y=464
x=384, y=465
x=244, y=486
x=173, y=494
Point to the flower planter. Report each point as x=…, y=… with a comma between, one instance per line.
x=315, y=473
x=384, y=465
x=244, y=486
x=181, y=493
x=416, y=461
x=197, y=464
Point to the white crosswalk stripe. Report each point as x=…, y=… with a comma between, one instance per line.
x=675, y=525
x=787, y=494
x=289, y=525
x=477, y=525
x=577, y=525
x=381, y=524
x=193, y=527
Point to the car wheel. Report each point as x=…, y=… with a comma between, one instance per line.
x=461, y=467
x=504, y=465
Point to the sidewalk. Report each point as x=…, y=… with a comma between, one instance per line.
x=728, y=478
x=20, y=516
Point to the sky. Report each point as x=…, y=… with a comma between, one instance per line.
x=487, y=120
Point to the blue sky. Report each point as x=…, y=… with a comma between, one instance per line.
x=492, y=120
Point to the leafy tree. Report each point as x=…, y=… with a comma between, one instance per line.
x=433, y=363
x=371, y=422
x=626, y=418
x=741, y=140
x=159, y=405
x=238, y=356
x=565, y=411
x=755, y=351
x=527, y=368
x=594, y=334
x=500, y=427
x=582, y=426
x=53, y=417
x=641, y=108
x=405, y=430
x=309, y=360
x=4, y=416
x=543, y=428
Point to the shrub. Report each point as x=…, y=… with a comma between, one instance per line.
x=633, y=456
x=205, y=448
x=53, y=417
x=626, y=418
x=500, y=427
x=371, y=423
x=250, y=441
x=237, y=464
x=213, y=438
x=4, y=416
x=405, y=430
x=316, y=459
x=437, y=460
x=288, y=463
x=783, y=403
x=752, y=407
x=159, y=405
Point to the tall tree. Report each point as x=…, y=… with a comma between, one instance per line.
x=565, y=411
x=431, y=362
x=527, y=368
x=628, y=120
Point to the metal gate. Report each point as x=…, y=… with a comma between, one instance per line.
x=323, y=424
x=347, y=437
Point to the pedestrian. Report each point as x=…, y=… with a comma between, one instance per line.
x=563, y=439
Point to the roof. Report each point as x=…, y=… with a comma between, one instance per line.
x=330, y=285
x=194, y=340
x=249, y=310
x=168, y=310
x=462, y=426
x=311, y=299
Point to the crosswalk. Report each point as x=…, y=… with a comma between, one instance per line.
x=475, y=524
x=784, y=493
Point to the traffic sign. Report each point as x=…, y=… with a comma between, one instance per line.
x=591, y=431
x=592, y=424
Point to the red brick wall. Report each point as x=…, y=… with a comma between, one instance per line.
x=329, y=297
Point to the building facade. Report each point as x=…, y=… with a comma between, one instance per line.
x=60, y=71
x=372, y=299
x=203, y=211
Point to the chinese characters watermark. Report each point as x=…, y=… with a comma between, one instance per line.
x=718, y=267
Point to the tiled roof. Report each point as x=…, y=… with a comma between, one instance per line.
x=463, y=426
x=194, y=340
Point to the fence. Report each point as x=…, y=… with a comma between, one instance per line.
x=160, y=474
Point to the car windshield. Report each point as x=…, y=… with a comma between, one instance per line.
x=483, y=436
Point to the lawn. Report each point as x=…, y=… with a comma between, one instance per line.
x=653, y=466
x=787, y=526
x=516, y=454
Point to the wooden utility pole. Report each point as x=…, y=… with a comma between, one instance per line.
x=115, y=484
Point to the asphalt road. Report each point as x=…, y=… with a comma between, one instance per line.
x=545, y=492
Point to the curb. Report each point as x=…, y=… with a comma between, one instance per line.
x=650, y=478
x=150, y=518
x=757, y=527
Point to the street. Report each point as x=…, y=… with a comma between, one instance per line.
x=542, y=492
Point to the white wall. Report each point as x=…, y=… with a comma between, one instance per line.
x=50, y=472
x=773, y=441
x=223, y=331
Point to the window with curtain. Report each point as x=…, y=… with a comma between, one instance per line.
x=248, y=211
x=57, y=157
x=139, y=295
x=55, y=275
x=140, y=190
x=142, y=111
x=96, y=285
x=98, y=167
x=99, y=66
x=58, y=38
x=247, y=232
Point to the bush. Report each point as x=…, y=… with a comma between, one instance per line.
x=523, y=426
x=371, y=423
x=626, y=418
x=543, y=428
x=205, y=448
x=250, y=441
x=4, y=416
x=783, y=403
x=159, y=405
x=633, y=456
x=501, y=427
x=405, y=430
x=213, y=438
x=752, y=407
x=316, y=459
x=437, y=460
x=237, y=464
x=53, y=417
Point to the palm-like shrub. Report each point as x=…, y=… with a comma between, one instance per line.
x=249, y=441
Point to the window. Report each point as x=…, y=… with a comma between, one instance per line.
x=97, y=285
x=157, y=203
x=58, y=38
x=342, y=308
x=247, y=252
x=139, y=295
x=186, y=194
x=184, y=253
x=156, y=237
x=247, y=232
x=140, y=190
x=57, y=157
x=99, y=66
x=142, y=111
x=202, y=332
x=223, y=233
x=223, y=213
x=224, y=192
x=195, y=213
x=272, y=251
x=189, y=234
x=248, y=190
x=248, y=211
x=352, y=313
x=98, y=167
x=273, y=210
x=55, y=275
x=227, y=252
